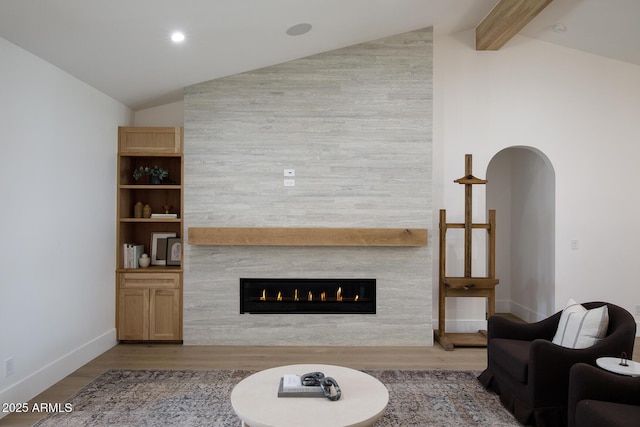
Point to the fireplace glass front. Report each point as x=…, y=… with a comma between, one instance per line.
x=318, y=296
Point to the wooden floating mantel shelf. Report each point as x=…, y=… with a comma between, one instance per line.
x=214, y=236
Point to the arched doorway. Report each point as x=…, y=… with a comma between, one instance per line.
x=521, y=188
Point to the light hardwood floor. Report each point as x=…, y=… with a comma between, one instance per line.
x=167, y=356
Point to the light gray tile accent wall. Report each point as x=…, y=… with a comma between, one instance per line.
x=355, y=124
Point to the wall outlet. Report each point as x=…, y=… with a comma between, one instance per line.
x=289, y=182
x=9, y=367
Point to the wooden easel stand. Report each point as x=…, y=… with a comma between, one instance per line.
x=468, y=285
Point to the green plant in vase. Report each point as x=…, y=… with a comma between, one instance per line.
x=156, y=174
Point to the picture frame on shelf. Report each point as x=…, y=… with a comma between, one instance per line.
x=159, y=247
x=174, y=251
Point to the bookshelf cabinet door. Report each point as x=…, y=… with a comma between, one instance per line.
x=133, y=314
x=164, y=315
x=150, y=140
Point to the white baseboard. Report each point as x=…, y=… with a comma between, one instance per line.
x=43, y=378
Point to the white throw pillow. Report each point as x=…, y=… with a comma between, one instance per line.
x=581, y=328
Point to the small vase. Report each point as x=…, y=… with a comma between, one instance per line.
x=146, y=211
x=154, y=180
x=144, y=261
x=137, y=210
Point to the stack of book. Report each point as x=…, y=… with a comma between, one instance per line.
x=164, y=215
x=291, y=386
x=132, y=254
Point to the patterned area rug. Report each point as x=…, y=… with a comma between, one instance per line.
x=201, y=398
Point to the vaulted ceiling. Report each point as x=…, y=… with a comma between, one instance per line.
x=123, y=47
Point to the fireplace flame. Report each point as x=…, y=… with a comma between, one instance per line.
x=296, y=296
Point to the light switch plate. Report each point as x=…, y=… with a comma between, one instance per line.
x=289, y=172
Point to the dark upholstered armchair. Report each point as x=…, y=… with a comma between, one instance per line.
x=531, y=374
x=599, y=398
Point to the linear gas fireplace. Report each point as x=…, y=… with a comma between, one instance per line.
x=354, y=296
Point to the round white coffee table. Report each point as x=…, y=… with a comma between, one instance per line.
x=613, y=364
x=255, y=399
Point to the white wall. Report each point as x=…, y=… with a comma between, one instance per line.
x=581, y=111
x=57, y=168
x=499, y=190
x=164, y=115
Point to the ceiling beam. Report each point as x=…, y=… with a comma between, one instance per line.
x=505, y=20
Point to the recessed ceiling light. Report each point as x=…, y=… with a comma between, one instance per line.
x=299, y=29
x=177, y=37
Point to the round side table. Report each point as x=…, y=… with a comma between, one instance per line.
x=612, y=364
x=255, y=399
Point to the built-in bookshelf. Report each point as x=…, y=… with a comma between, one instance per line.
x=149, y=218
